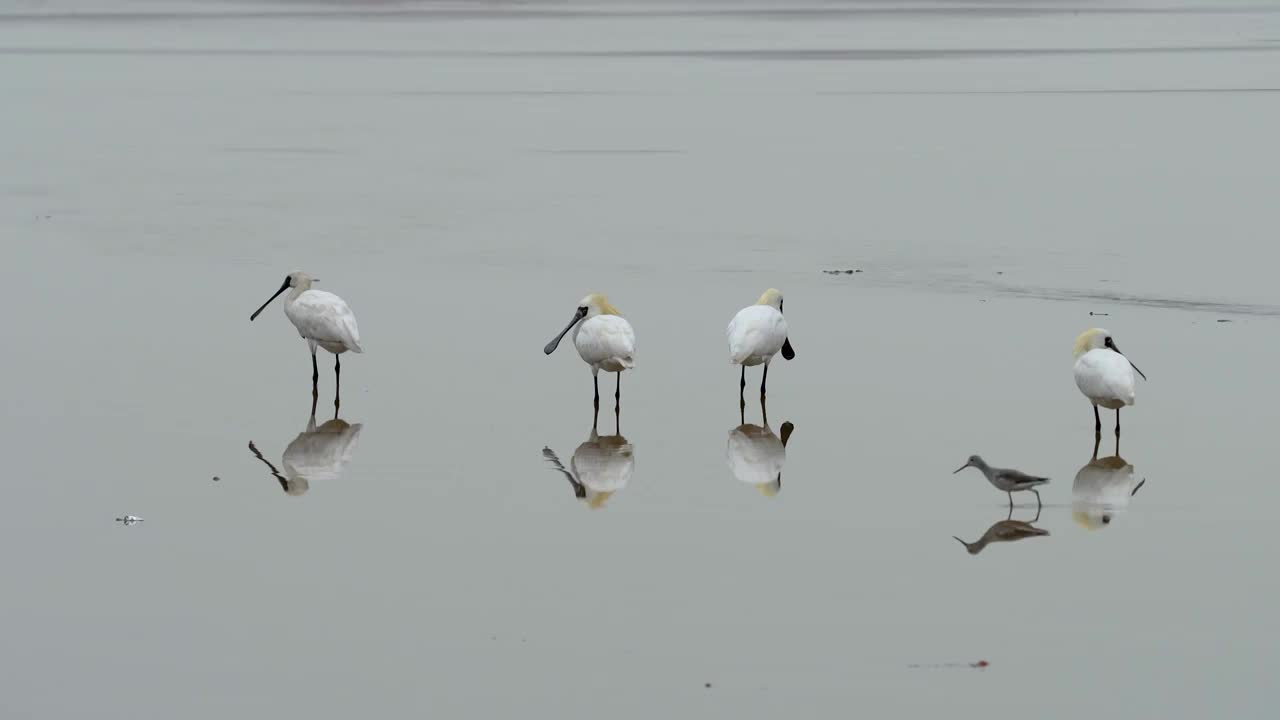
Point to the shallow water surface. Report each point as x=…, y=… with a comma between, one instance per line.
x=462, y=541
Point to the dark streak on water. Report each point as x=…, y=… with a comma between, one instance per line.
x=785, y=54
x=550, y=13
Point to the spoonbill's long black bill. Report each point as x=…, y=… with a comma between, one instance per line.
x=258, y=312
x=551, y=346
x=1135, y=367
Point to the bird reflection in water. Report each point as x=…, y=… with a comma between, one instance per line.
x=318, y=453
x=1102, y=489
x=1007, y=530
x=755, y=454
x=600, y=467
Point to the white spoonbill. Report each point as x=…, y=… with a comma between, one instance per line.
x=604, y=340
x=321, y=318
x=1104, y=375
x=756, y=334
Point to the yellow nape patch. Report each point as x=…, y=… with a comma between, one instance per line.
x=770, y=297
x=602, y=304
x=1085, y=340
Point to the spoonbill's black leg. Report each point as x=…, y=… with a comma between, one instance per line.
x=764, y=379
x=337, y=383
x=1097, y=421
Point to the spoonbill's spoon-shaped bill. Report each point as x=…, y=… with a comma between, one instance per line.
x=578, y=314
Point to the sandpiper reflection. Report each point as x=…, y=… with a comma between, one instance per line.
x=1102, y=489
x=318, y=453
x=1007, y=530
x=756, y=455
x=600, y=467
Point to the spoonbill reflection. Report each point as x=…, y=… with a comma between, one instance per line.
x=604, y=340
x=756, y=334
x=599, y=467
x=322, y=319
x=1006, y=480
x=318, y=453
x=1101, y=490
x=1104, y=375
x=1008, y=530
x=756, y=455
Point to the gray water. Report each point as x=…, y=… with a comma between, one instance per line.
x=462, y=174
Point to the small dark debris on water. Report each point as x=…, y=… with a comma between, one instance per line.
x=999, y=272
x=949, y=666
x=216, y=478
x=841, y=272
x=1092, y=313
x=1223, y=320
x=707, y=685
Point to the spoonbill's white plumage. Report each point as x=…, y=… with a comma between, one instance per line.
x=322, y=319
x=1104, y=375
x=756, y=334
x=755, y=456
x=604, y=340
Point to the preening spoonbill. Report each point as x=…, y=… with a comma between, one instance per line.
x=1006, y=480
x=604, y=340
x=321, y=318
x=318, y=453
x=756, y=334
x=1104, y=375
x=755, y=455
x=600, y=467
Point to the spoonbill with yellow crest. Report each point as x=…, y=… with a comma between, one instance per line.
x=756, y=334
x=604, y=340
x=1104, y=375
x=322, y=319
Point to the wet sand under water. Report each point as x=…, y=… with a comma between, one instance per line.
x=462, y=177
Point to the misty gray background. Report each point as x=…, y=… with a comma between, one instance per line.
x=462, y=173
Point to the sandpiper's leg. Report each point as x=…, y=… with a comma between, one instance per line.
x=1010, y=503
x=1117, y=422
x=1038, y=504
x=1037, y=511
x=1097, y=421
x=337, y=383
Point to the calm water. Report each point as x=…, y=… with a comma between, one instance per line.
x=462, y=174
